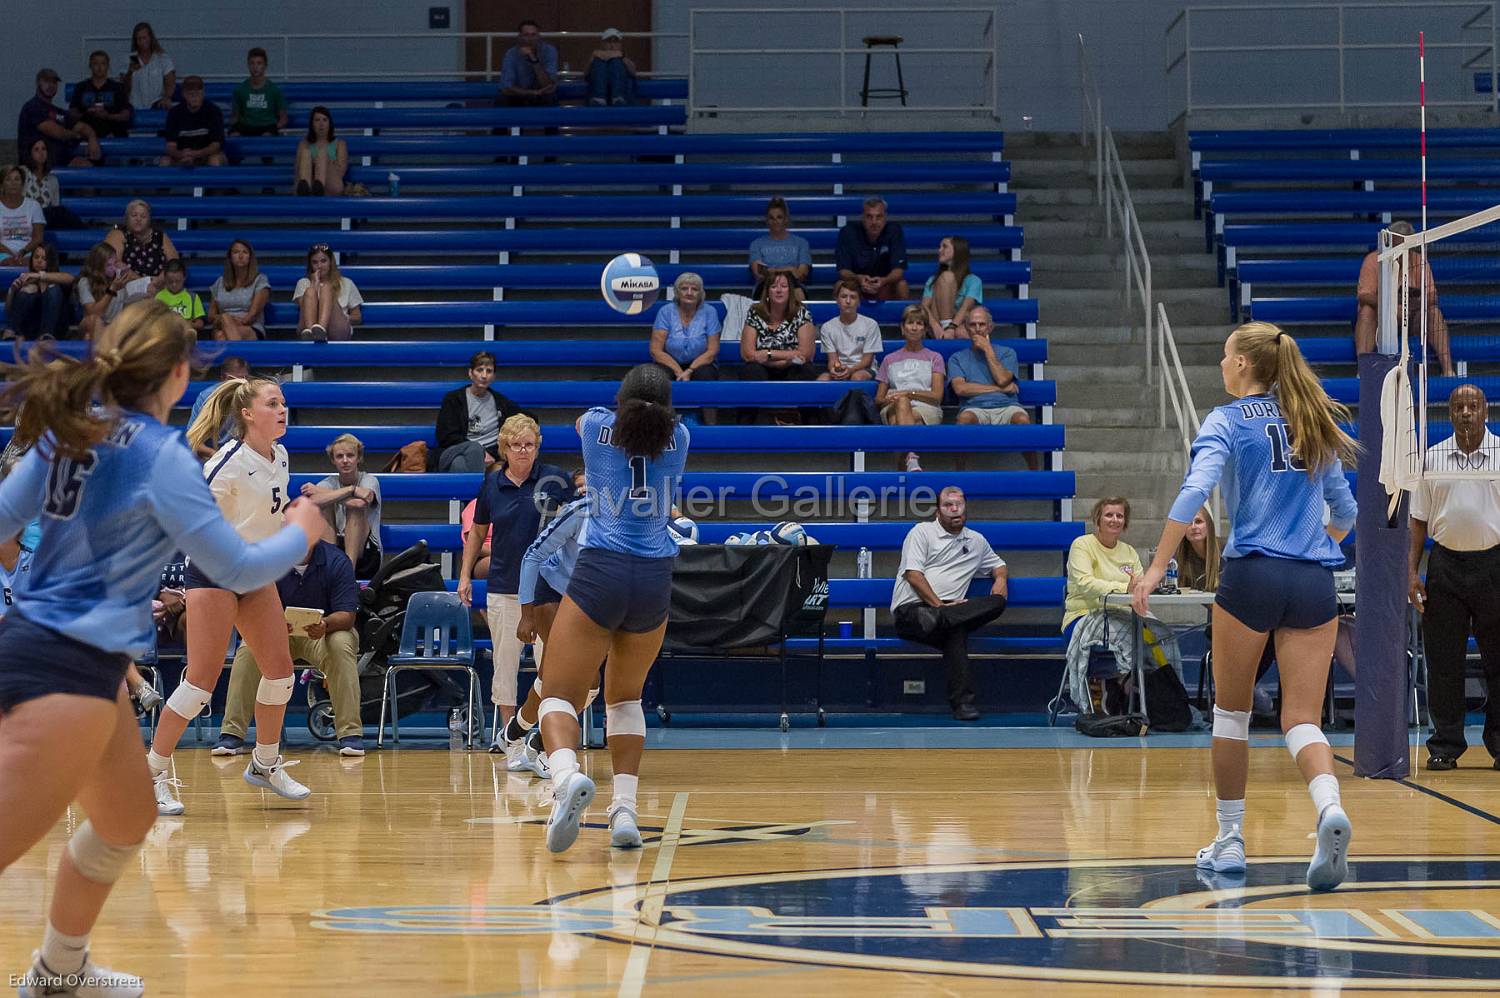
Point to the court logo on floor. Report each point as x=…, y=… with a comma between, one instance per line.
x=1398, y=924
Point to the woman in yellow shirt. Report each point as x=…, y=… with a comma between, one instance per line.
x=1099, y=563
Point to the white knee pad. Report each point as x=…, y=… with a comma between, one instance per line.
x=275, y=692
x=1303, y=735
x=625, y=718
x=188, y=700
x=555, y=705
x=96, y=859
x=1232, y=724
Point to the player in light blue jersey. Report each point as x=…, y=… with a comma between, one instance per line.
x=1279, y=454
x=117, y=496
x=617, y=598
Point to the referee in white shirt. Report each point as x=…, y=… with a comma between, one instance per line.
x=1462, y=593
x=938, y=561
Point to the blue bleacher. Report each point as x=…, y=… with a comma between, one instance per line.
x=594, y=175
x=774, y=146
x=531, y=206
x=429, y=118
x=581, y=394
x=1271, y=141
x=456, y=353
x=495, y=239
x=314, y=92
x=1340, y=349
x=1343, y=272
x=1340, y=308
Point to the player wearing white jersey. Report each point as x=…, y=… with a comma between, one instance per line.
x=1279, y=454
x=248, y=477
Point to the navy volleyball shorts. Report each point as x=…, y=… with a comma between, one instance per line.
x=622, y=592
x=544, y=593
x=36, y=661
x=192, y=578
x=1266, y=593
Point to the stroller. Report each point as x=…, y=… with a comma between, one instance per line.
x=382, y=612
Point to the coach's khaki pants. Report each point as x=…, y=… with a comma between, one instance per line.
x=335, y=655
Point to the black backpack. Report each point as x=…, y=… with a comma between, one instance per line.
x=856, y=408
x=1110, y=725
x=1167, y=700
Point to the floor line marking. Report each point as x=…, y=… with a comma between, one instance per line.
x=1477, y=812
x=633, y=980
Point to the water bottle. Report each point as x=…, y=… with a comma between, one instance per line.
x=1170, y=581
x=394, y=182
x=866, y=563
x=456, y=720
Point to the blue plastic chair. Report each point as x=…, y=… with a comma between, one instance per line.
x=434, y=635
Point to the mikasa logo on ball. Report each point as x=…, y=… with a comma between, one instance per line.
x=634, y=284
x=629, y=283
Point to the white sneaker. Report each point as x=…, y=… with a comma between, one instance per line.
x=91, y=981
x=275, y=779
x=569, y=801
x=147, y=698
x=1329, y=864
x=515, y=756
x=1226, y=854
x=912, y=464
x=167, y=803
x=536, y=757
x=624, y=833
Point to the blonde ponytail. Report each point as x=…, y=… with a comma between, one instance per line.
x=1312, y=417
x=228, y=399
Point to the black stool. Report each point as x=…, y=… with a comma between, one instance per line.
x=883, y=93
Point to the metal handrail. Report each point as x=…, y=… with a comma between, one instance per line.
x=1488, y=52
x=1174, y=384
x=284, y=40
x=1112, y=191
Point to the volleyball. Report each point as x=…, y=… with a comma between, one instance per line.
x=629, y=283
x=788, y=532
x=684, y=530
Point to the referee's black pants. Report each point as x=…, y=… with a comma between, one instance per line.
x=1463, y=595
x=955, y=622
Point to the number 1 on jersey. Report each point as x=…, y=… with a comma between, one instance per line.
x=639, y=489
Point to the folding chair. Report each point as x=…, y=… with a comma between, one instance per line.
x=435, y=635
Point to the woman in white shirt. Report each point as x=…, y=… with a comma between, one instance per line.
x=152, y=77
x=329, y=301
x=21, y=221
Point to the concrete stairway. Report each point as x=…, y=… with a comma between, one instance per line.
x=1096, y=344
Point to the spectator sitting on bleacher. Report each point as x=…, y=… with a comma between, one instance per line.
x=952, y=290
x=152, y=77
x=872, y=252
x=104, y=287
x=329, y=301
x=930, y=603
x=611, y=76
x=41, y=187
x=325, y=581
x=528, y=73
x=37, y=302
x=143, y=248
x=22, y=224
x=779, y=251
x=984, y=379
x=685, y=335
x=257, y=108
x=230, y=368
x=1367, y=309
x=40, y=119
x=194, y=129
x=1199, y=554
x=178, y=298
x=350, y=501
x=238, y=297
x=778, y=341
x=911, y=381
x=469, y=420
x=322, y=157
x=851, y=341
x=101, y=101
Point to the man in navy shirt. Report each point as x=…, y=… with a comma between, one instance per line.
x=872, y=252
x=195, y=129
x=984, y=379
x=101, y=100
x=40, y=119
x=528, y=73
x=324, y=582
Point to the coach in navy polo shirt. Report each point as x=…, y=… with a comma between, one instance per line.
x=324, y=582
x=511, y=498
x=871, y=251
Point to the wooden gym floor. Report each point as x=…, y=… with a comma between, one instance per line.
x=889, y=872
